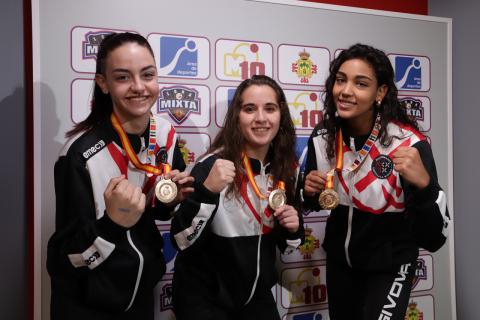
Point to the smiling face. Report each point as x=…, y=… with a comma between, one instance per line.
x=259, y=119
x=355, y=92
x=130, y=78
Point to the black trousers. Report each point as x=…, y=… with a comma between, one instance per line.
x=262, y=306
x=368, y=295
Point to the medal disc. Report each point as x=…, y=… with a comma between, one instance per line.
x=166, y=190
x=329, y=199
x=277, y=198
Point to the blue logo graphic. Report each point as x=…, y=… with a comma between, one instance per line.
x=301, y=151
x=169, y=251
x=230, y=94
x=178, y=56
x=408, y=73
x=308, y=316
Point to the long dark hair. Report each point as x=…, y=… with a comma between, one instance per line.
x=390, y=108
x=229, y=142
x=101, y=104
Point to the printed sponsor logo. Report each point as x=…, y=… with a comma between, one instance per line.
x=305, y=108
x=187, y=155
x=307, y=288
x=304, y=67
x=301, y=148
x=166, y=298
x=178, y=56
x=311, y=243
x=179, y=102
x=394, y=292
x=420, y=272
x=382, y=166
x=240, y=60
x=412, y=73
x=413, y=312
x=408, y=72
x=94, y=149
x=169, y=251
x=413, y=108
x=181, y=56
x=92, y=42
x=196, y=230
x=92, y=258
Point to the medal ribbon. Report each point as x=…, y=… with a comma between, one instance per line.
x=362, y=154
x=251, y=179
x=132, y=156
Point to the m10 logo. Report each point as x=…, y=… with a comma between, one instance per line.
x=305, y=108
x=239, y=60
x=303, y=287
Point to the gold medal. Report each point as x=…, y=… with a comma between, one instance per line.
x=166, y=190
x=277, y=198
x=328, y=199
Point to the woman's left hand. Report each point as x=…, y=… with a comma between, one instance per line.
x=184, y=183
x=409, y=165
x=287, y=216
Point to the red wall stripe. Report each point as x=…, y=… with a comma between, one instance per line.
x=405, y=6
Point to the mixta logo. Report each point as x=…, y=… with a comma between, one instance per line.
x=420, y=272
x=166, y=298
x=301, y=148
x=411, y=72
x=413, y=107
x=308, y=316
x=178, y=56
x=91, y=43
x=307, y=288
x=238, y=60
x=304, y=109
x=178, y=102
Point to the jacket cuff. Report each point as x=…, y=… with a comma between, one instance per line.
x=423, y=198
x=109, y=229
x=203, y=195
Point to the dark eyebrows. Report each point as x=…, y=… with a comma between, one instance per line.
x=128, y=71
x=357, y=77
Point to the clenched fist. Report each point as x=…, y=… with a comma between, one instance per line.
x=221, y=174
x=409, y=165
x=124, y=202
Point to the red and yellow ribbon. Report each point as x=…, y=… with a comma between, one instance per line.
x=251, y=179
x=132, y=156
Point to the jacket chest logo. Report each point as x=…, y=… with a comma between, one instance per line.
x=382, y=166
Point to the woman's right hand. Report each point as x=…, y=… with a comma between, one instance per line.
x=221, y=174
x=124, y=202
x=314, y=182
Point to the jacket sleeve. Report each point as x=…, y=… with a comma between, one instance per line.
x=427, y=207
x=310, y=203
x=80, y=242
x=191, y=220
